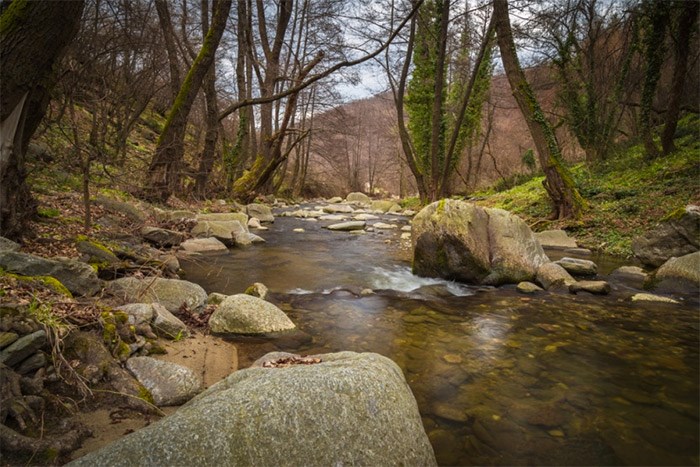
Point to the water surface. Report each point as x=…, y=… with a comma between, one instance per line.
x=500, y=378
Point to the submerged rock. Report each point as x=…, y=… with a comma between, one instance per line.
x=168, y=383
x=461, y=241
x=246, y=314
x=647, y=297
x=350, y=409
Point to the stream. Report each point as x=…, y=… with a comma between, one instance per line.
x=500, y=378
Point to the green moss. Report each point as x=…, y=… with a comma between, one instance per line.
x=13, y=16
x=675, y=215
x=47, y=281
x=146, y=395
x=440, y=207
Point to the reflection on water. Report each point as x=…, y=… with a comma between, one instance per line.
x=500, y=379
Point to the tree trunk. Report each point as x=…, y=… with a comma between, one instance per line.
x=206, y=161
x=33, y=37
x=654, y=56
x=164, y=171
x=566, y=200
x=166, y=26
x=687, y=16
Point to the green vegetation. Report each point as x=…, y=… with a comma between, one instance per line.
x=627, y=193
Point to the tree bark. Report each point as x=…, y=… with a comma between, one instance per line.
x=211, y=136
x=164, y=172
x=33, y=37
x=566, y=200
x=166, y=26
x=687, y=17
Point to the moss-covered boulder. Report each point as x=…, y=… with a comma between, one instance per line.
x=358, y=198
x=224, y=231
x=224, y=217
x=461, y=241
x=171, y=293
x=76, y=276
x=168, y=383
x=261, y=212
x=246, y=314
x=349, y=409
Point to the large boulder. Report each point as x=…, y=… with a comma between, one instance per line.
x=168, y=383
x=553, y=276
x=224, y=231
x=76, y=276
x=261, y=212
x=171, y=293
x=461, y=241
x=679, y=275
x=677, y=236
x=8, y=245
x=350, y=409
x=246, y=314
x=161, y=237
x=358, y=198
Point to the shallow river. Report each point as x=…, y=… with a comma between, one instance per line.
x=500, y=378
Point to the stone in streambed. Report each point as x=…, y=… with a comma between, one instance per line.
x=245, y=314
x=347, y=226
x=349, y=409
x=578, y=267
x=528, y=288
x=594, y=287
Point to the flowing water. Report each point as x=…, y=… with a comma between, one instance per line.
x=500, y=378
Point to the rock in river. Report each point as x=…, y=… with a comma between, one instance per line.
x=679, y=275
x=348, y=226
x=350, y=409
x=245, y=314
x=461, y=241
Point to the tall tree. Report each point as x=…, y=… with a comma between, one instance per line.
x=164, y=172
x=686, y=16
x=33, y=37
x=560, y=186
x=658, y=14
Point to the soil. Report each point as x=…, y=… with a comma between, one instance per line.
x=212, y=358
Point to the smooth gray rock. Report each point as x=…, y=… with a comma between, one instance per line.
x=171, y=293
x=261, y=212
x=138, y=313
x=594, y=287
x=23, y=348
x=335, y=200
x=8, y=245
x=351, y=409
x=201, y=245
x=166, y=324
x=358, y=198
x=461, y=241
x=384, y=226
x=224, y=231
x=76, y=276
x=555, y=239
x=365, y=217
x=246, y=314
x=161, y=237
x=528, y=288
x=168, y=383
x=679, y=275
x=347, y=226
x=578, y=267
x=333, y=217
x=675, y=237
